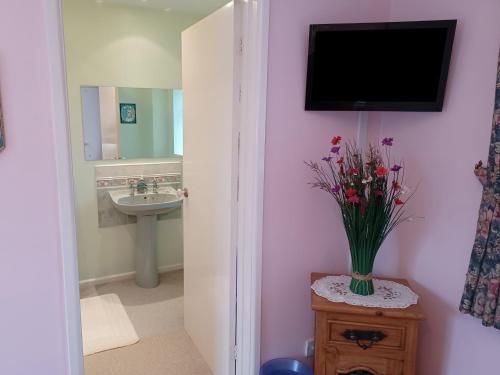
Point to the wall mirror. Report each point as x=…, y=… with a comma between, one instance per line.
x=131, y=123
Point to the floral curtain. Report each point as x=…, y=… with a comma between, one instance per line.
x=481, y=294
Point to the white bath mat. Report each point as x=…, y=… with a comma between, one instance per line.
x=105, y=324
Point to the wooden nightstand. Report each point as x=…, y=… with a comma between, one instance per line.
x=355, y=340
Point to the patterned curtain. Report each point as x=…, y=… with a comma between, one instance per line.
x=481, y=294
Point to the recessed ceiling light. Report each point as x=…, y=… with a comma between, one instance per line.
x=167, y=9
x=143, y=1
x=99, y=1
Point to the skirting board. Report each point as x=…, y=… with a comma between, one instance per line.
x=126, y=276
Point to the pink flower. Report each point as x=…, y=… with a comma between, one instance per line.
x=354, y=171
x=353, y=199
x=351, y=192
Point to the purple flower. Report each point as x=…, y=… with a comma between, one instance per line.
x=328, y=158
x=387, y=141
x=396, y=168
x=336, y=189
x=335, y=150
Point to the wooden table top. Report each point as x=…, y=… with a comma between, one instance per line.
x=322, y=304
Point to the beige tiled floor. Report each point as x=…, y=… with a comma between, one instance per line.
x=157, y=315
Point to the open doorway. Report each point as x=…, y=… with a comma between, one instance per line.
x=157, y=265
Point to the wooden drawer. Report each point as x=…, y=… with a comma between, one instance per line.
x=394, y=335
x=374, y=366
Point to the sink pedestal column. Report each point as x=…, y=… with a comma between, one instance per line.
x=145, y=252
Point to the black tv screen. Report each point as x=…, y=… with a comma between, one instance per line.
x=394, y=66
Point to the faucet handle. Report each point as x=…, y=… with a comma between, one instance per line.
x=131, y=186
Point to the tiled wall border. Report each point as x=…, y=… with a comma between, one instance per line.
x=125, y=181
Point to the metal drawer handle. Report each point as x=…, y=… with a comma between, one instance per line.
x=364, y=339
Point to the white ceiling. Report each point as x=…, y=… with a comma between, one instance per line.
x=198, y=7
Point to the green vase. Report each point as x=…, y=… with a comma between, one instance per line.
x=361, y=281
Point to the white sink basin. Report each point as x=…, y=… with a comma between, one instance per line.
x=146, y=207
x=148, y=204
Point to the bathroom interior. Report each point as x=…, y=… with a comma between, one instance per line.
x=124, y=76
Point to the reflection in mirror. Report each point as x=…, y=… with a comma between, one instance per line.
x=131, y=123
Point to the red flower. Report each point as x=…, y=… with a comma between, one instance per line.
x=354, y=199
x=396, y=186
x=381, y=171
x=340, y=161
x=351, y=192
x=379, y=193
x=336, y=140
x=398, y=202
x=354, y=171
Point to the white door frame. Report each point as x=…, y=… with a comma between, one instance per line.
x=254, y=41
x=253, y=69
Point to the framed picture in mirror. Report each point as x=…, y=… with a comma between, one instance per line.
x=128, y=114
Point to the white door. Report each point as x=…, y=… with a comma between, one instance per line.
x=209, y=176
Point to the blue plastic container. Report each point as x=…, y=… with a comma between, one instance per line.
x=285, y=366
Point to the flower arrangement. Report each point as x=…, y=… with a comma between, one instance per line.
x=370, y=192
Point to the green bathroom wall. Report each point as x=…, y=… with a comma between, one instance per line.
x=163, y=123
x=121, y=46
x=136, y=140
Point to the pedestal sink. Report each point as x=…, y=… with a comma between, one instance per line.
x=146, y=207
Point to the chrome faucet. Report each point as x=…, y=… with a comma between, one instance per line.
x=132, y=188
x=142, y=187
x=155, y=186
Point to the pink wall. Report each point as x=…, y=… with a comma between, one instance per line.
x=440, y=151
x=31, y=309
x=302, y=230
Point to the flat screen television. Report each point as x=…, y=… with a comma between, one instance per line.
x=393, y=66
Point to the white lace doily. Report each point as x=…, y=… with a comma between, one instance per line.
x=388, y=294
